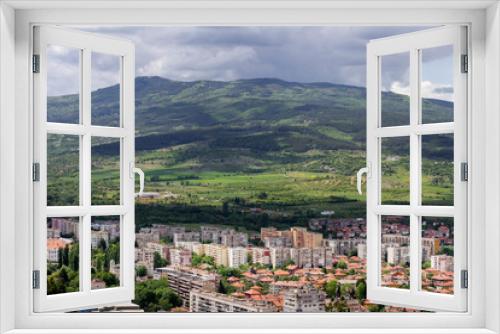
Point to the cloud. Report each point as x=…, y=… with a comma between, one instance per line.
x=428, y=90
x=303, y=54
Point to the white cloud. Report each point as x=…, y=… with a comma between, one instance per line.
x=428, y=89
x=303, y=54
x=195, y=63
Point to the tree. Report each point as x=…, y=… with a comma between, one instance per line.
x=141, y=271
x=155, y=295
x=262, y=195
x=110, y=279
x=225, y=209
x=74, y=257
x=361, y=289
x=228, y=271
x=114, y=252
x=158, y=261
x=102, y=245
x=331, y=289
x=63, y=280
x=99, y=259
x=341, y=265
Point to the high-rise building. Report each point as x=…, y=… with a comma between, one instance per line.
x=218, y=252
x=206, y=301
x=442, y=262
x=236, y=256
x=304, y=299
x=279, y=256
x=361, y=251
x=185, y=279
x=180, y=257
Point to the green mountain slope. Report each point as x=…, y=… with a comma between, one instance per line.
x=290, y=148
x=259, y=118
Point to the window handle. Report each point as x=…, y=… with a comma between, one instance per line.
x=141, y=180
x=359, y=178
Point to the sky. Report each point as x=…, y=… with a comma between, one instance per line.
x=301, y=54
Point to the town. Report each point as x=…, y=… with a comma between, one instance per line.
x=219, y=269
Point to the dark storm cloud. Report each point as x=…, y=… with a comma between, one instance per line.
x=303, y=54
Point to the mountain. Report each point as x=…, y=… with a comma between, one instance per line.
x=260, y=120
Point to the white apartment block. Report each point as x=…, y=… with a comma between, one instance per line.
x=193, y=246
x=442, y=262
x=397, y=254
x=361, y=251
x=279, y=256
x=204, y=301
x=261, y=255
x=312, y=257
x=305, y=299
x=236, y=256
x=97, y=236
x=218, y=252
x=186, y=236
x=180, y=257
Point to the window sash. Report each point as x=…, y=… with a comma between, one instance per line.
x=413, y=43
x=86, y=43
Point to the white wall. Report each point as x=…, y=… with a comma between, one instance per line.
x=492, y=188
x=6, y=165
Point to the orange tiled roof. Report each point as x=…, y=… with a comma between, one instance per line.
x=252, y=292
x=55, y=243
x=280, y=272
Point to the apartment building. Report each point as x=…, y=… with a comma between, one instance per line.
x=186, y=236
x=442, y=262
x=97, y=236
x=236, y=256
x=185, y=279
x=180, y=257
x=279, y=256
x=261, y=255
x=206, y=301
x=218, y=252
x=304, y=299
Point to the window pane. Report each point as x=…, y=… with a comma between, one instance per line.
x=105, y=245
x=395, y=251
x=395, y=170
x=106, y=79
x=437, y=254
x=436, y=86
x=437, y=169
x=105, y=171
x=63, y=255
x=395, y=91
x=63, y=84
x=63, y=160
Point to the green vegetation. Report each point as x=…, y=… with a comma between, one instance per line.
x=248, y=153
x=156, y=296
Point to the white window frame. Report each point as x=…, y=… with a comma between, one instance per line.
x=412, y=44
x=18, y=16
x=86, y=44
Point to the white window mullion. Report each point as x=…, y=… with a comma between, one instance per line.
x=414, y=170
x=85, y=174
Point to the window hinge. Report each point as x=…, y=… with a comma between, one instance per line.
x=36, y=63
x=36, y=279
x=464, y=279
x=465, y=63
x=36, y=172
x=464, y=171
